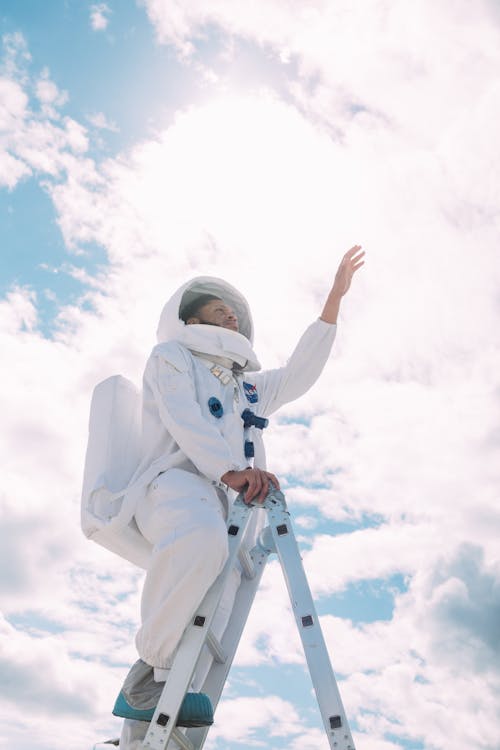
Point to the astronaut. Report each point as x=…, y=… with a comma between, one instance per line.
x=199, y=380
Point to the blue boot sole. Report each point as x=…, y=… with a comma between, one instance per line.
x=196, y=711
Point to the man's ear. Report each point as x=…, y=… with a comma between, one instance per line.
x=190, y=321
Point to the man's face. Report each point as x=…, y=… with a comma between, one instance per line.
x=217, y=313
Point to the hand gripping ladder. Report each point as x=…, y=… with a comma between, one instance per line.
x=277, y=537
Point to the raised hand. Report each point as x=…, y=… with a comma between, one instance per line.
x=348, y=265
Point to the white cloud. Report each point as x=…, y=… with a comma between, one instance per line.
x=13, y=102
x=99, y=16
x=49, y=95
x=101, y=122
x=35, y=141
x=306, y=522
x=54, y=688
x=380, y=58
x=405, y=676
x=76, y=136
x=16, y=55
x=18, y=310
x=402, y=427
x=11, y=170
x=239, y=718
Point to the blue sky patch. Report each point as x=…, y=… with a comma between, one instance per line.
x=35, y=624
x=364, y=601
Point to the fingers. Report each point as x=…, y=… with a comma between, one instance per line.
x=352, y=251
x=261, y=492
x=254, y=485
x=249, y=494
x=267, y=479
x=352, y=256
x=265, y=488
x=273, y=479
x=258, y=482
x=352, y=260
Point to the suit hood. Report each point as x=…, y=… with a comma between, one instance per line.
x=208, y=339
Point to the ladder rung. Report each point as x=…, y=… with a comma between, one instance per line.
x=246, y=563
x=215, y=648
x=181, y=739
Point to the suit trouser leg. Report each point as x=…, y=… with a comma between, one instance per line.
x=133, y=732
x=183, y=519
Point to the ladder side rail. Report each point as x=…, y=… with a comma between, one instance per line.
x=188, y=652
x=316, y=653
x=217, y=676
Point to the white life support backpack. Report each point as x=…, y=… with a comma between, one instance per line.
x=113, y=455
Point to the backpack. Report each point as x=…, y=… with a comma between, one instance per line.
x=112, y=457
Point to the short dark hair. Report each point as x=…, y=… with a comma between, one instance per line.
x=193, y=308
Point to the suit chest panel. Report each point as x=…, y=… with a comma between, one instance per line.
x=209, y=386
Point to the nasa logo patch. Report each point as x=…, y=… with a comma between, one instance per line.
x=251, y=392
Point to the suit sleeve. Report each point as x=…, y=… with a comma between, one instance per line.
x=278, y=387
x=180, y=412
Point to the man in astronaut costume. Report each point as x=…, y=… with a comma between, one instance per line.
x=198, y=380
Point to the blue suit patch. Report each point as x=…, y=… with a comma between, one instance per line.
x=251, y=393
x=215, y=407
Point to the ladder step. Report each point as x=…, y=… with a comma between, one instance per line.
x=216, y=649
x=181, y=739
x=246, y=563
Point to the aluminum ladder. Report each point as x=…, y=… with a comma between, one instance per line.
x=278, y=537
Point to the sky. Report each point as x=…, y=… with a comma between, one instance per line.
x=144, y=143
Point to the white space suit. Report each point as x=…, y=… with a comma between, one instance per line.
x=175, y=499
